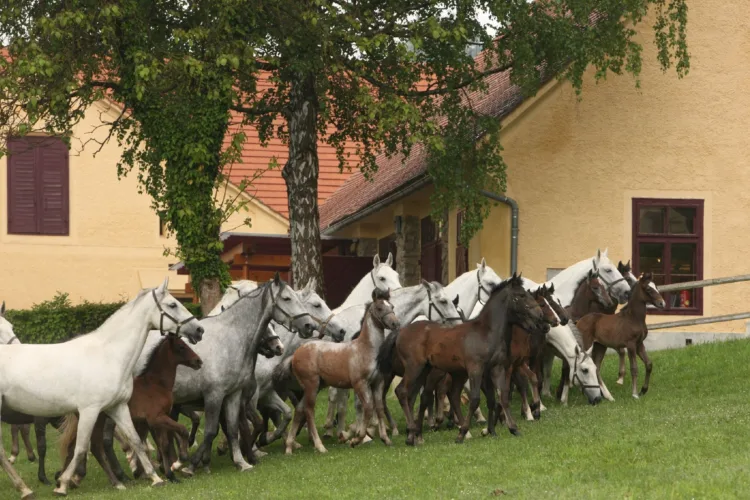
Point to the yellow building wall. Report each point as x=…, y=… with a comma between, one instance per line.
x=575, y=166
x=113, y=249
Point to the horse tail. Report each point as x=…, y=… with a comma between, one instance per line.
x=385, y=354
x=282, y=374
x=69, y=430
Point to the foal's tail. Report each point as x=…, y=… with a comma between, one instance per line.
x=385, y=354
x=69, y=431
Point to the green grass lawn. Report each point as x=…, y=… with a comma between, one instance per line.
x=688, y=438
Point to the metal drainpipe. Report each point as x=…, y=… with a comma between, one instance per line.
x=513, y=204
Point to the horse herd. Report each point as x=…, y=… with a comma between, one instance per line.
x=479, y=334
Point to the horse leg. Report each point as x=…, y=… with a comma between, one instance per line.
x=232, y=407
x=407, y=390
x=162, y=426
x=275, y=402
x=441, y=393
x=521, y=383
x=311, y=385
x=537, y=403
x=40, y=430
x=597, y=355
x=621, y=373
x=425, y=404
x=331, y=414
x=641, y=350
x=489, y=392
x=454, y=395
x=342, y=401
x=377, y=394
x=548, y=358
x=501, y=378
x=14, y=448
x=212, y=410
x=250, y=437
x=86, y=421
x=564, y=385
x=18, y=484
x=108, y=441
x=365, y=396
x=391, y=421
x=475, y=381
x=633, y=370
x=97, y=449
x=121, y=415
x=296, y=424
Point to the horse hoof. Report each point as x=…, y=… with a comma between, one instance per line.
x=323, y=450
x=468, y=435
x=158, y=483
x=188, y=471
x=296, y=445
x=620, y=381
x=644, y=390
x=32, y=458
x=288, y=451
x=60, y=492
x=515, y=432
x=537, y=415
x=542, y=407
x=28, y=496
x=176, y=466
x=636, y=396
x=45, y=481
x=387, y=441
x=485, y=432
x=460, y=439
x=12, y=459
x=410, y=441
x=245, y=468
x=260, y=454
x=121, y=486
x=394, y=432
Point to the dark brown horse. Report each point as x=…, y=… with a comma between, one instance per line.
x=476, y=349
x=626, y=329
x=525, y=348
x=150, y=404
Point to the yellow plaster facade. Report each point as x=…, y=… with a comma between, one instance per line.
x=113, y=249
x=574, y=166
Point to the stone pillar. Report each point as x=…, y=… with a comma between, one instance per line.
x=408, y=251
x=367, y=247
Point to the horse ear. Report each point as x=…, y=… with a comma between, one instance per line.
x=604, y=253
x=455, y=301
x=598, y=254
x=376, y=260
x=552, y=288
x=164, y=286
x=312, y=284
x=2, y=309
x=578, y=350
x=483, y=265
x=277, y=278
x=223, y=308
x=425, y=283
x=389, y=260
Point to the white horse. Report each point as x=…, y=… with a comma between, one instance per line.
x=382, y=276
x=427, y=299
x=90, y=374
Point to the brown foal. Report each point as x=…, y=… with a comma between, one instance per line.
x=347, y=365
x=150, y=404
x=625, y=329
x=476, y=349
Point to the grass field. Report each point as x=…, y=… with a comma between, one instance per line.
x=688, y=438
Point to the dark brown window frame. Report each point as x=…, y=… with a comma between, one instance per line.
x=669, y=239
x=38, y=185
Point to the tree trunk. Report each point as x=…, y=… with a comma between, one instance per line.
x=210, y=295
x=301, y=176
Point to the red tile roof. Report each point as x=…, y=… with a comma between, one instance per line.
x=267, y=184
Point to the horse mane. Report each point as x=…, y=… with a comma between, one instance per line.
x=580, y=282
x=252, y=294
x=151, y=356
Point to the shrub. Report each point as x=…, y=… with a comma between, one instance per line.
x=58, y=320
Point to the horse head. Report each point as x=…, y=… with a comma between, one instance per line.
x=382, y=310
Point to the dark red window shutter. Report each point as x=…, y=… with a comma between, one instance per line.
x=53, y=184
x=22, y=207
x=38, y=186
